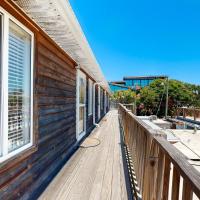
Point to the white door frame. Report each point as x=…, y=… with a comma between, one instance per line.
x=105, y=98
x=99, y=102
x=79, y=74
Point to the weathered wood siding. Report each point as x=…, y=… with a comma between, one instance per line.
x=55, y=99
x=26, y=175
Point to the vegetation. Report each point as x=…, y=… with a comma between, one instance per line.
x=152, y=99
x=125, y=97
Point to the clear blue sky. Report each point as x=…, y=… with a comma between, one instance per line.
x=143, y=37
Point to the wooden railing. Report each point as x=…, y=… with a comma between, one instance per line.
x=131, y=107
x=162, y=171
x=193, y=113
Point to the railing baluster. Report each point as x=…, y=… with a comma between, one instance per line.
x=175, y=184
x=153, y=157
x=187, y=191
x=166, y=178
x=159, y=187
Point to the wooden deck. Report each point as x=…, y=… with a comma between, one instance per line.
x=93, y=173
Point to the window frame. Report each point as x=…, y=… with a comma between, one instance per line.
x=5, y=155
x=90, y=97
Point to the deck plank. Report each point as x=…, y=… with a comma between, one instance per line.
x=94, y=173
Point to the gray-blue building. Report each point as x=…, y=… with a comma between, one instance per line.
x=133, y=82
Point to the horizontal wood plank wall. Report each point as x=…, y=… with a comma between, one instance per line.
x=55, y=93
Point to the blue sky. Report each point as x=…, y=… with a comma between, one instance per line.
x=143, y=37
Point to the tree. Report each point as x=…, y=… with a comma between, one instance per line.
x=147, y=101
x=180, y=94
x=124, y=96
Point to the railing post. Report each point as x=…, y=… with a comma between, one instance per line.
x=184, y=114
x=195, y=117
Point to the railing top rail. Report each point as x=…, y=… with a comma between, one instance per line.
x=128, y=104
x=143, y=125
x=179, y=160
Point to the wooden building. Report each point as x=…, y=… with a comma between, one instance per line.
x=53, y=93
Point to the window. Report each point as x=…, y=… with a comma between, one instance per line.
x=129, y=83
x=90, y=97
x=82, y=98
x=105, y=101
x=16, y=87
x=101, y=101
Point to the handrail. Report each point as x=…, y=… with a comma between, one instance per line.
x=162, y=171
x=131, y=106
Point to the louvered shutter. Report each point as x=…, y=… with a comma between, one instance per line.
x=19, y=87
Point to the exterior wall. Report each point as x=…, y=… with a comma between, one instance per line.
x=26, y=175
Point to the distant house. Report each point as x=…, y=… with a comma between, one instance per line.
x=133, y=82
x=52, y=93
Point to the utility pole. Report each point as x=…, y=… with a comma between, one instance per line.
x=167, y=97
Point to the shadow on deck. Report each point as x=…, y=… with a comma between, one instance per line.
x=97, y=170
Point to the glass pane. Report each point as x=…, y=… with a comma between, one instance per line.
x=101, y=103
x=90, y=95
x=81, y=90
x=19, y=87
x=81, y=119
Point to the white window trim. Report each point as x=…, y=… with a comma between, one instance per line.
x=99, y=102
x=4, y=90
x=79, y=136
x=90, y=96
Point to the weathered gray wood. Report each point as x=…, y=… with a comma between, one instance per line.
x=134, y=129
x=166, y=178
x=185, y=169
x=54, y=120
x=175, y=184
x=159, y=187
x=187, y=191
x=96, y=174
